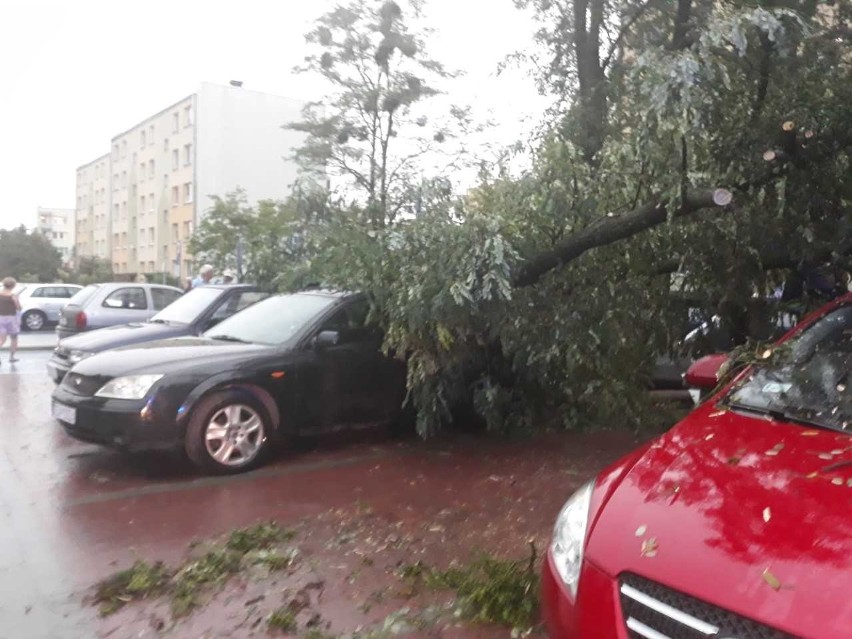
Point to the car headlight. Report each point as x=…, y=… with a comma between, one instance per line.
x=569, y=536
x=130, y=387
x=78, y=356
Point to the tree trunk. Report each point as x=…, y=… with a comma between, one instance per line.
x=611, y=229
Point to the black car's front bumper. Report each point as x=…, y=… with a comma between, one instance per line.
x=130, y=425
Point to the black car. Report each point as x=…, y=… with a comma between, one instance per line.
x=288, y=365
x=191, y=314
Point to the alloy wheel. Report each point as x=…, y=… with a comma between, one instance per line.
x=234, y=435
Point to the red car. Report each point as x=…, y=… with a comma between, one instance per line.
x=735, y=524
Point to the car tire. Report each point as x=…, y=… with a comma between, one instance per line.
x=33, y=321
x=228, y=432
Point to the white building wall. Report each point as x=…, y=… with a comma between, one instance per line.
x=58, y=226
x=241, y=142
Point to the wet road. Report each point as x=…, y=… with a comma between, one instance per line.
x=73, y=513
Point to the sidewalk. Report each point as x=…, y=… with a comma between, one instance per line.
x=38, y=341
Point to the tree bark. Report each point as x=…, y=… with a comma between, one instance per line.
x=615, y=228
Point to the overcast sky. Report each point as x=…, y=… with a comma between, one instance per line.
x=76, y=73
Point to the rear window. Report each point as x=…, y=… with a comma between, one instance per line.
x=81, y=297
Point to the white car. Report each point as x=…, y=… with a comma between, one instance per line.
x=41, y=303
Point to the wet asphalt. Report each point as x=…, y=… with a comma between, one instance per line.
x=73, y=513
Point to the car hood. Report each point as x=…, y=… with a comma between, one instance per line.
x=123, y=335
x=743, y=512
x=181, y=354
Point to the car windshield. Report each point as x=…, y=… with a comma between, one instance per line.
x=807, y=378
x=188, y=307
x=273, y=320
x=82, y=296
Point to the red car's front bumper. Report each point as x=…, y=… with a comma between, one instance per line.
x=596, y=614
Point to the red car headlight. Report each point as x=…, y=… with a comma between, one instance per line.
x=569, y=537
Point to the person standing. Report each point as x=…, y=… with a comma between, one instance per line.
x=205, y=276
x=10, y=325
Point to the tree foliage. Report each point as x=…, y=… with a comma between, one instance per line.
x=28, y=256
x=373, y=127
x=703, y=138
x=89, y=270
x=274, y=237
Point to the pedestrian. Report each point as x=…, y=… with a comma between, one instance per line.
x=228, y=276
x=205, y=275
x=10, y=324
x=187, y=285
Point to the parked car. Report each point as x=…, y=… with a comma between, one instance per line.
x=191, y=314
x=102, y=305
x=287, y=365
x=736, y=523
x=41, y=303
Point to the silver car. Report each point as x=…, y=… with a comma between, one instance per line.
x=102, y=305
x=41, y=303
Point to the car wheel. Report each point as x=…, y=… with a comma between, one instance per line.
x=227, y=433
x=33, y=320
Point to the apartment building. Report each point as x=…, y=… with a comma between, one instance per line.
x=57, y=225
x=92, y=210
x=138, y=205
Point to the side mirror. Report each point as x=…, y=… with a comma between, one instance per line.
x=704, y=372
x=327, y=338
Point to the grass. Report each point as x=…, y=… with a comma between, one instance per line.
x=283, y=619
x=258, y=537
x=488, y=589
x=253, y=546
x=140, y=581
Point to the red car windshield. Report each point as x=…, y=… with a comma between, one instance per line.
x=808, y=377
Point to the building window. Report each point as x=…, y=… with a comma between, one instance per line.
x=151, y=203
x=175, y=236
x=115, y=151
x=124, y=149
x=175, y=195
x=142, y=204
x=187, y=116
x=187, y=154
x=151, y=135
x=187, y=192
x=166, y=144
x=165, y=179
x=124, y=179
x=151, y=235
x=115, y=211
x=143, y=140
x=151, y=169
x=175, y=122
x=142, y=171
x=175, y=160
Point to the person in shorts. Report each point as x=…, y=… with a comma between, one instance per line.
x=10, y=325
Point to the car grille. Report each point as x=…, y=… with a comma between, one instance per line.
x=653, y=611
x=86, y=385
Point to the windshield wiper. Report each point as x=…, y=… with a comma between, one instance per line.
x=781, y=415
x=159, y=321
x=229, y=338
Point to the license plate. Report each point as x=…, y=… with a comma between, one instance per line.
x=64, y=413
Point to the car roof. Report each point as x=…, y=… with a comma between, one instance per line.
x=231, y=287
x=326, y=292
x=142, y=284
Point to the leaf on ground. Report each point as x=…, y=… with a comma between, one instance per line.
x=767, y=514
x=641, y=530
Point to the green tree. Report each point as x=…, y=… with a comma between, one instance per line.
x=26, y=255
x=700, y=137
x=374, y=125
x=275, y=237
x=89, y=270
